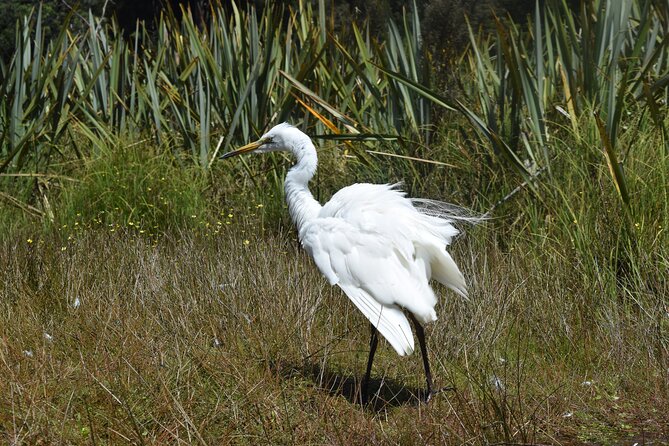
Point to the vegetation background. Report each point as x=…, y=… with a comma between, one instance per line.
x=153, y=294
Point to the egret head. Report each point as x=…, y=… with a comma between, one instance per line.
x=280, y=137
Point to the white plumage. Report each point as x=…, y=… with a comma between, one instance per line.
x=372, y=242
x=381, y=248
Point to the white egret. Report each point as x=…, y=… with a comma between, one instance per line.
x=378, y=246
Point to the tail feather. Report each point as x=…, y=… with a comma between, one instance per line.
x=446, y=272
x=440, y=218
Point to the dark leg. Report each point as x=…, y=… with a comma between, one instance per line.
x=426, y=363
x=372, y=349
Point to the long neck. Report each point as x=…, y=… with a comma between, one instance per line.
x=301, y=204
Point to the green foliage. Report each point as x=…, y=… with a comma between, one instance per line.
x=552, y=66
x=602, y=62
x=54, y=14
x=10, y=13
x=229, y=79
x=193, y=85
x=136, y=187
x=197, y=82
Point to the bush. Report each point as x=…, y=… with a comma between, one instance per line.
x=136, y=186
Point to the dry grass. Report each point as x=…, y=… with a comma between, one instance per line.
x=208, y=339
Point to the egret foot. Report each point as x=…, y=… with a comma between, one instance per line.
x=427, y=397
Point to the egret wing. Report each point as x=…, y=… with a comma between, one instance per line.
x=388, y=319
x=337, y=249
x=382, y=251
x=421, y=232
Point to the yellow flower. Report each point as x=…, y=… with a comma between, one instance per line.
x=246, y=242
x=29, y=240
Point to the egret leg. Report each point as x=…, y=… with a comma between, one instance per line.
x=372, y=350
x=426, y=363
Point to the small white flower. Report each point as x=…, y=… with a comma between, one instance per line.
x=217, y=342
x=586, y=383
x=28, y=353
x=48, y=337
x=530, y=166
x=567, y=414
x=497, y=383
x=76, y=303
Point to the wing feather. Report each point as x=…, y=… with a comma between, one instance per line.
x=334, y=259
x=382, y=251
x=388, y=319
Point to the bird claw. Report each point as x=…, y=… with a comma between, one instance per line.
x=430, y=393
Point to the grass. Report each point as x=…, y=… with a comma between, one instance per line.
x=233, y=337
x=135, y=185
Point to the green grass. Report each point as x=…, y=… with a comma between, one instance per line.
x=135, y=185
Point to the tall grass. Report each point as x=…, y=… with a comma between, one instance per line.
x=201, y=89
x=553, y=102
x=229, y=77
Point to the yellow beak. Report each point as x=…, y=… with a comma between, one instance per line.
x=245, y=149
